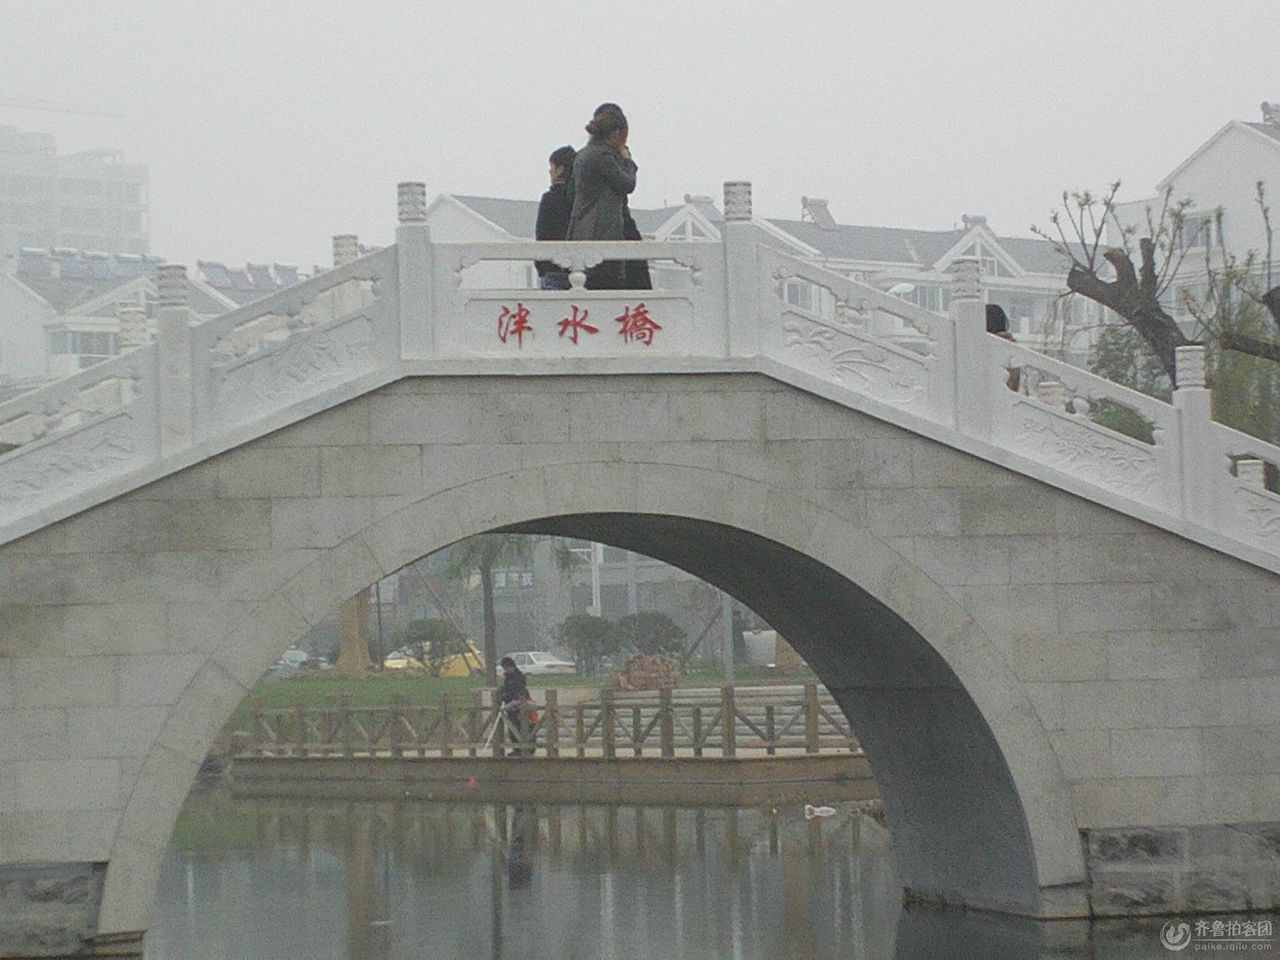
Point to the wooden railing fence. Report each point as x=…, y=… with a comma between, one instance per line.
x=618, y=725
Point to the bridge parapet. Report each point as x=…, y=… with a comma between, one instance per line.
x=424, y=307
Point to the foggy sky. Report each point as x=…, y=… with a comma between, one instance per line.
x=268, y=127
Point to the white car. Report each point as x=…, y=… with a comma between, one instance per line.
x=537, y=663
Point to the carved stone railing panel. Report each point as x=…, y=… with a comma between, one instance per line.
x=1043, y=409
x=474, y=320
x=850, y=346
x=77, y=434
x=1241, y=466
x=279, y=351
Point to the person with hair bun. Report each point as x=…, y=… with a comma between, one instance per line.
x=603, y=175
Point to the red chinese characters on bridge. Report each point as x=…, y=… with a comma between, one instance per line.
x=637, y=325
x=576, y=323
x=514, y=323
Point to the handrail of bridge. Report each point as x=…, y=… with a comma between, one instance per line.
x=424, y=307
x=609, y=728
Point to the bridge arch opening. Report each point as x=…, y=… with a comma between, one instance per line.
x=972, y=791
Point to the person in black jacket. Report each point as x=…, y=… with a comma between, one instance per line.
x=553, y=218
x=514, y=700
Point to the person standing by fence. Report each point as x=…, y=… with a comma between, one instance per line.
x=603, y=175
x=515, y=704
x=553, y=218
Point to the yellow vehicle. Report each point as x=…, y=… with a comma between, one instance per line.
x=468, y=663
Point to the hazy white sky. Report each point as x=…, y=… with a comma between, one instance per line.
x=268, y=127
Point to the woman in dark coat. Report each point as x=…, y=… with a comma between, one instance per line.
x=603, y=175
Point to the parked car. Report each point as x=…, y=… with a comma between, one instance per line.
x=292, y=659
x=538, y=663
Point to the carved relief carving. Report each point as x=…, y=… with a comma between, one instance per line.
x=1263, y=511
x=1075, y=447
x=69, y=464
x=303, y=365
x=862, y=366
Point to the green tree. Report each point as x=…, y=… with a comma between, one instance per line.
x=653, y=634
x=481, y=554
x=588, y=638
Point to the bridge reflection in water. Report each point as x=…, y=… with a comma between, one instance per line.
x=376, y=880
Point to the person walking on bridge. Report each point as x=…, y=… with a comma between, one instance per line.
x=603, y=175
x=515, y=702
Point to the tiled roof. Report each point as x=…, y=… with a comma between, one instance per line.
x=64, y=294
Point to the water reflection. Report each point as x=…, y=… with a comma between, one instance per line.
x=373, y=880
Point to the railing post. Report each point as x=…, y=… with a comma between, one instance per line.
x=413, y=261
x=300, y=733
x=256, y=728
x=174, y=356
x=742, y=285
x=346, y=249
x=580, y=731
x=1194, y=403
x=606, y=723
x=771, y=737
x=697, y=729
x=393, y=725
x=666, y=723
x=551, y=721
x=446, y=726
x=728, y=723
x=132, y=323
x=345, y=733
x=970, y=373
x=810, y=718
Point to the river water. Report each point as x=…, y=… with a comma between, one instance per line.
x=259, y=878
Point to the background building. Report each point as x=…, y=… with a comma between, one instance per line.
x=91, y=200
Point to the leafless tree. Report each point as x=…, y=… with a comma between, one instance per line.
x=1138, y=293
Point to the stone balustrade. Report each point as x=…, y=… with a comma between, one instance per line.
x=421, y=307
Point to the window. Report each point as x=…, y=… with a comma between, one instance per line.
x=1201, y=230
x=86, y=342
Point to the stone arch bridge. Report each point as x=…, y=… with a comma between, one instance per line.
x=1057, y=643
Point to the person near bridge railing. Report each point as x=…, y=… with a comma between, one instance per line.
x=603, y=176
x=998, y=326
x=516, y=705
x=553, y=218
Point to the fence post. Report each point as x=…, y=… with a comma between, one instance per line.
x=256, y=728
x=393, y=725
x=1194, y=403
x=971, y=375
x=446, y=726
x=580, y=731
x=810, y=718
x=413, y=260
x=666, y=722
x=697, y=730
x=742, y=284
x=637, y=731
x=606, y=722
x=344, y=721
x=551, y=721
x=771, y=745
x=728, y=723
x=300, y=734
